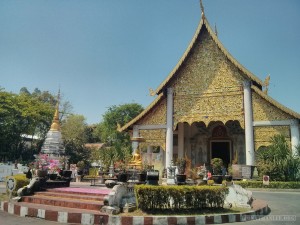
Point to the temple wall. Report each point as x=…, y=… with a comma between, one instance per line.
x=265, y=111
x=157, y=115
x=263, y=135
x=155, y=137
x=207, y=87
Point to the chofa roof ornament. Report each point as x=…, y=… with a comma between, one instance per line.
x=202, y=9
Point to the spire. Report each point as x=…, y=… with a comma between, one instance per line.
x=266, y=84
x=216, y=31
x=202, y=9
x=55, y=126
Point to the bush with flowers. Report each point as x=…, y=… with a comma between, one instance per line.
x=45, y=163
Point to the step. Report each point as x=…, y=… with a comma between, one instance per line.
x=70, y=195
x=64, y=202
x=81, y=191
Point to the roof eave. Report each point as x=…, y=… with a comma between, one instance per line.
x=275, y=103
x=141, y=115
x=203, y=21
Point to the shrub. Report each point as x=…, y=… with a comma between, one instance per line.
x=93, y=171
x=277, y=161
x=272, y=184
x=21, y=181
x=150, y=197
x=217, y=164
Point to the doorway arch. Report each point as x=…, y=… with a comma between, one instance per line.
x=220, y=144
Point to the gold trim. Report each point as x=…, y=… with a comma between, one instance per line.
x=203, y=21
x=275, y=103
x=142, y=114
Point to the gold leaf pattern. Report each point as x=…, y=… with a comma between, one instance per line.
x=263, y=135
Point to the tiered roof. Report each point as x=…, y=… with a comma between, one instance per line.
x=257, y=84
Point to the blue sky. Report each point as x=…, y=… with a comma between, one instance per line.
x=110, y=52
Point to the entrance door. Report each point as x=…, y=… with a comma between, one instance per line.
x=221, y=149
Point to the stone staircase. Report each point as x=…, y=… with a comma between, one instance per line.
x=64, y=205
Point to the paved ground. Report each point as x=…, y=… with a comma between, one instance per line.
x=282, y=203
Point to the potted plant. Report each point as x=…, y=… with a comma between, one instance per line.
x=181, y=166
x=142, y=174
x=121, y=168
x=217, y=164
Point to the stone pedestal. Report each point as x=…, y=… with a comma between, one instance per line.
x=78, y=178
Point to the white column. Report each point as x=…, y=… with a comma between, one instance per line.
x=294, y=135
x=169, y=135
x=180, y=140
x=248, y=124
x=135, y=144
x=149, y=154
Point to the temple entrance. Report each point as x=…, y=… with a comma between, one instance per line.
x=221, y=149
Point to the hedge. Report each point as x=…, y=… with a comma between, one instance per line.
x=151, y=197
x=272, y=184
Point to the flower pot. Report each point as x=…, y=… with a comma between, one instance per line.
x=142, y=177
x=52, y=176
x=122, y=177
x=217, y=179
x=180, y=179
x=42, y=173
x=152, y=177
x=228, y=178
x=66, y=173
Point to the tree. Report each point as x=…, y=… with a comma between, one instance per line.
x=21, y=114
x=74, y=135
x=118, y=144
x=121, y=115
x=277, y=161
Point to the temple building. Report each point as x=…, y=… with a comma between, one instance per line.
x=211, y=106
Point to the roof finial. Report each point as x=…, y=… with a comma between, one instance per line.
x=202, y=9
x=266, y=84
x=55, y=122
x=216, y=31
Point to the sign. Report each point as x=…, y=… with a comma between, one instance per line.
x=246, y=172
x=240, y=171
x=11, y=184
x=266, y=180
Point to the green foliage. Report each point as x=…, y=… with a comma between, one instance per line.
x=217, y=164
x=181, y=165
x=73, y=131
x=25, y=113
x=110, y=155
x=272, y=184
x=21, y=181
x=80, y=165
x=277, y=161
x=93, y=172
x=22, y=114
x=179, y=197
x=121, y=114
x=119, y=144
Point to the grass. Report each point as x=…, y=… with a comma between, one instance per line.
x=187, y=212
x=3, y=197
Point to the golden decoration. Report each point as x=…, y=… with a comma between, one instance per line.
x=152, y=92
x=263, y=135
x=208, y=87
x=263, y=110
x=266, y=84
x=157, y=115
x=55, y=126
